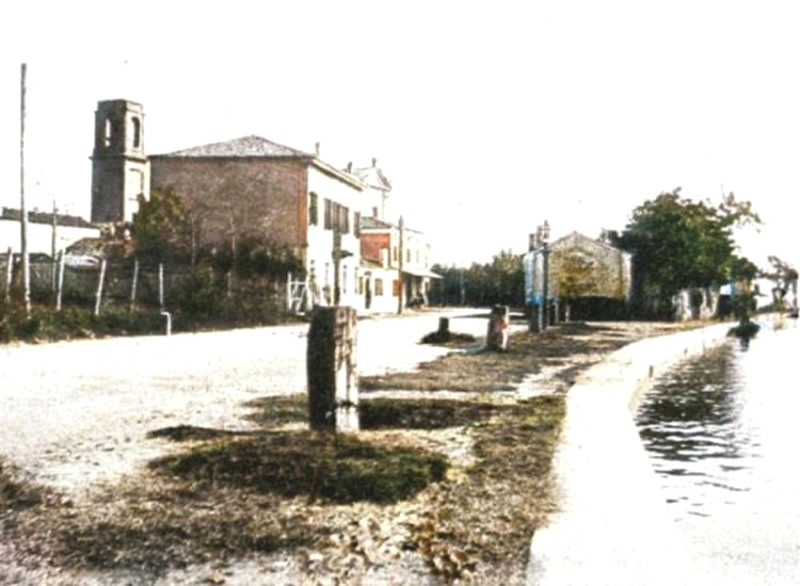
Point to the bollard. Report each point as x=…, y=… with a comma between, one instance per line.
x=497, y=333
x=331, y=370
x=168, y=323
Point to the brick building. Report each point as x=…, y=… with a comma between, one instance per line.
x=251, y=186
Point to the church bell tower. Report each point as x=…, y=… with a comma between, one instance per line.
x=120, y=171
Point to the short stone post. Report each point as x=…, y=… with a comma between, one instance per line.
x=331, y=370
x=444, y=326
x=497, y=333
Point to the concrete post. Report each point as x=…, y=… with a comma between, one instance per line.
x=331, y=370
x=497, y=333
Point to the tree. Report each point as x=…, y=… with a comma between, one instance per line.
x=161, y=229
x=680, y=243
x=575, y=275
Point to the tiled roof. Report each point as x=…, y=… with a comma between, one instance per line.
x=247, y=146
x=36, y=217
x=373, y=177
x=370, y=223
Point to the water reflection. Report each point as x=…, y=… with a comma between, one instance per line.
x=721, y=432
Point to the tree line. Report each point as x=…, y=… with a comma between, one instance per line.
x=676, y=243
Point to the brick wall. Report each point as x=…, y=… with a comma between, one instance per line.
x=258, y=197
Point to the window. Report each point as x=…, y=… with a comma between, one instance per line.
x=137, y=132
x=357, y=224
x=108, y=133
x=313, y=212
x=375, y=212
x=328, y=214
x=344, y=218
x=408, y=255
x=378, y=287
x=394, y=254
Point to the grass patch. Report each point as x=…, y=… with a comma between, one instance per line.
x=335, y=467
x=421, y=413
x=15, y=493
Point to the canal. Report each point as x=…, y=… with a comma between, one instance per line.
x=723, y=433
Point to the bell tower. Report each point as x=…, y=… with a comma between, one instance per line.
x=120, y=171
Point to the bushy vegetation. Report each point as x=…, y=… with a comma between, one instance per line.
x=500, y=282
x=679, y=243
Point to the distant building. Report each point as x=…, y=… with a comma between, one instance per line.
x=41, y=230
x=376, y=200
x=380, y=262
x=587, y=276
x=251, y=186
x=333, y=221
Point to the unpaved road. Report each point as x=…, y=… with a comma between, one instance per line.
x=75, y=414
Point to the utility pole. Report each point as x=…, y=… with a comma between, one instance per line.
x=401, y=252
x=26, y=269
x=53, y=245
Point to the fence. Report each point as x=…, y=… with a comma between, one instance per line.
x=131, y=283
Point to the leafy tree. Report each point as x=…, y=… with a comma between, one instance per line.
x=679, y=243
x=575, y=276
x=161, y=229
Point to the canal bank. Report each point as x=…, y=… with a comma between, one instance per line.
x=613, y=526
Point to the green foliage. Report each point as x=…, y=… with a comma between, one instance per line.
x=161, y=228
x=680, y=243
x=339, y=468
x=500, y=282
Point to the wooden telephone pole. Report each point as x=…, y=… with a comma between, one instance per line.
x=401, y=253
x=26, y=268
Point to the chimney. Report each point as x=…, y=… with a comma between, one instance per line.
x=316, y=149
x=374, y=161
x=350, y=166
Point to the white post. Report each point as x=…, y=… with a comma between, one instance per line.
x=99, y=296
x=9, y=275
x=60, y=284
x=134, y=282
x=289, y=292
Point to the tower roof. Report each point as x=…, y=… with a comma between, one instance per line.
x=373, y=177
x=247, y=146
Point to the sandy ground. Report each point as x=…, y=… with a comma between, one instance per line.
x=76, y=414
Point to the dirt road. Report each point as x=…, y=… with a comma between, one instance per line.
x=75, y=414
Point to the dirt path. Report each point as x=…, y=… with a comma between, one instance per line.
x=79, y=438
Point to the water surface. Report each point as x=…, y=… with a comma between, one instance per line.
x=723, y=432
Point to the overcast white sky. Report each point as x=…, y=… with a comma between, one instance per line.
x=488, y=117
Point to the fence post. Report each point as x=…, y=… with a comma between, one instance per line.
x=134, y=282
x=331, y=370
x=9, y=275
x=62, y=259
x=99, y=296
x=161, y=286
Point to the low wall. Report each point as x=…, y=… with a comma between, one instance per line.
x=613, y=526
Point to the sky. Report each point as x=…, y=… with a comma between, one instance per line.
x=487, y=117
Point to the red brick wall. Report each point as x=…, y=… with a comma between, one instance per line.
x=261, y=197
x=371, y=245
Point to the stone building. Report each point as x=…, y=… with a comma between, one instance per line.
x=587, y=278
